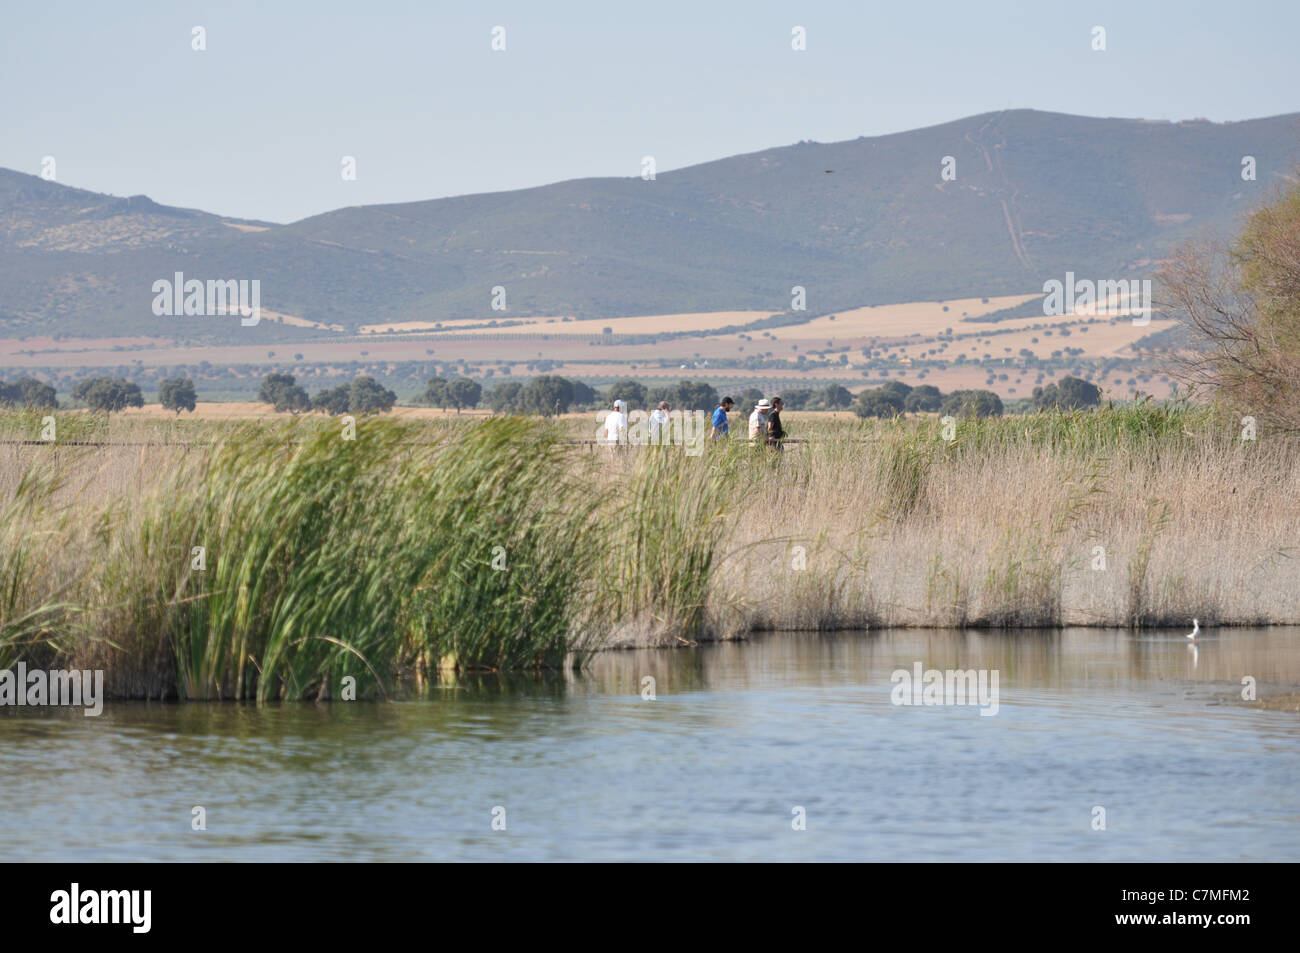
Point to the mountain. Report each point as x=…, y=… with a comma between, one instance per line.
x=867, y=221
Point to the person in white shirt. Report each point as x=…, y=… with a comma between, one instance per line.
x=616, y=424
x=659, y=424
x=758, y=420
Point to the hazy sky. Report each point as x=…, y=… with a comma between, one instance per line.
x=257, y=124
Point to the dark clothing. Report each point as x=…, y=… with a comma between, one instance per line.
x=775, y=432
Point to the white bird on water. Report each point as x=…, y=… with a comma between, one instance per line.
x=1196, y=627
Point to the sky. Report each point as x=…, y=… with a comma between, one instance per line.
x=257, y=124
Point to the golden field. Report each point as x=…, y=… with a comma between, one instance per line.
x=902, y=334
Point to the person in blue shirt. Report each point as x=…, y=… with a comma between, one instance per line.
x=720, y=426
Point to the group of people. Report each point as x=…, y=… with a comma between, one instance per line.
x=764, y=422
x=616, y=423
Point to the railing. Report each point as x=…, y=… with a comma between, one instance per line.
x=204, y=443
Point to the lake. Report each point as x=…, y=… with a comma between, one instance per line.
x=741, y=743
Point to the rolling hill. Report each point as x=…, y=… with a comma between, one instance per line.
x=867, y=221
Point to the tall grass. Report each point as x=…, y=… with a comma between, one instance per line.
x=418, y=549
x=325, y=558
x=662, y=517
x=1091, y=434
x=1035, y=520
x=34, y=616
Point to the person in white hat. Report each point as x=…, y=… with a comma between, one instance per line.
x=616, y=424
x=659, y=423
x=758, y=419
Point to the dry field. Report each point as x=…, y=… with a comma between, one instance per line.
x=252, y=410
x=903, y=333
x=642, y=324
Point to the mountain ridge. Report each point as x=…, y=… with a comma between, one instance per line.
x=854, y=222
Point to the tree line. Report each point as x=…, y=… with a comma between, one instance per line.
x=894, y=398
x=364, y=395
x=549, y=394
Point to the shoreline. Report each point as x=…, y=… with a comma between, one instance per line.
x=413, y=684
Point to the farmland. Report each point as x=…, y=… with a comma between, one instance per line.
x=961, y=343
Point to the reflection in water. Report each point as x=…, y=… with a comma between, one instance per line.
x=737, y=735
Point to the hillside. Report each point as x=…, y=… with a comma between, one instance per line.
x=862, y=222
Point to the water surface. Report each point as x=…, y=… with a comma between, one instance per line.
x=737, y=736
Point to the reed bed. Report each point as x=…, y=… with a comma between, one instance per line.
x=498, y=544
x=1141, y=516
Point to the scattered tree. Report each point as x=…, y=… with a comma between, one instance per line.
x=972, y=403
x=686, y=395
x=837, y=396
x=332, y=400
x=504, y=398
x=465, y=393
x=177, y=393
x=584, y=395
x=547, y=393
x=108, y=394
x=28, y=392
x=368, y=396
x=923, y=398
x=631, y=391
x=437, y=394
x=878, y=402
x=1070, y=393
x=280, y=391
x=799, y=398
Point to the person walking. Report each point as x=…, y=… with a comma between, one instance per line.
x=775, y=432
x=758, y=420
x=659, y=424
x=721, y=428
x=616, y=425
